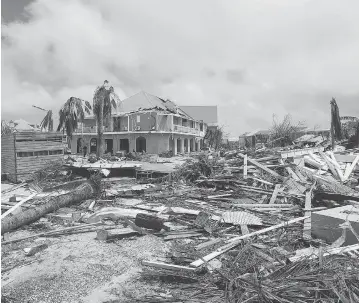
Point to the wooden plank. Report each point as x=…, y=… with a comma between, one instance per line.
x=208, y=243
x=237, y=240
x=352, y=166
x=265, y=206
x=181, y=236
x=17, y=206
x=245, y=168
x=290, y=171
x=51, y=232
x=168, y=266
x=275, y=193
x=336, y=165
x=330, y=166
x=300, y=176
x=262, y=181
x=314, y=253
x=307, y=229
x=266, y=169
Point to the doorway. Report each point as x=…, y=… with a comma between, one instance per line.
x=109, y=146
x=93, y=145
x=140, y=144
x=125, y=145
x=79, y=145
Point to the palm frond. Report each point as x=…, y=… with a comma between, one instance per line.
x=47, y=122
x=72, y=113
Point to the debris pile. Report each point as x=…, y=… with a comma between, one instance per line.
x=241, y=226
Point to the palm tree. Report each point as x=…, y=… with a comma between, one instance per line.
x=47, y=122
x=103, y=100
x=71, y=114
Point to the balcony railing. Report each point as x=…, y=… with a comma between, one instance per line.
x=184, y=129
x=176, y=128
x=90, y=129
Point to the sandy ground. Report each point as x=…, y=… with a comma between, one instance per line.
x=78, y=268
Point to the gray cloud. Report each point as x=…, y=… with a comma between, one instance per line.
x=235, y=76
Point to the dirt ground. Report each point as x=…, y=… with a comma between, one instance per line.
x=78, y=268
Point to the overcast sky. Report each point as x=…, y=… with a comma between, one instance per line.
x=251, y=58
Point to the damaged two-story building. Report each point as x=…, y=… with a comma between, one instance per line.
x=143, y=123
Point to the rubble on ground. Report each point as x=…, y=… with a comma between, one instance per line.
x=235, y=226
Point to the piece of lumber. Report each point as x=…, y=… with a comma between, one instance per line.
x=17, y=205
x=104, y=235
x=208, y=243
x=219, y=196
x=331, y=166
x=264, y=205
x=300, y=176
x=261, y=181
x=314, y=253
x=80, y=193
x=182, y=236
x=168, y=266
x=49, y=233
x=266, y=169
x=290, y=171
x=350, y=169
x=236, y=241
x=275, y=193
x=336, y=166
x=307, y=229
x=245, y=168
x=92, y=205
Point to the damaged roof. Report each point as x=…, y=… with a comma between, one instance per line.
x=146, y=101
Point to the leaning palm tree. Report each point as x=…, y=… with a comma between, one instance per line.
x=103, y=100
x=71, y=114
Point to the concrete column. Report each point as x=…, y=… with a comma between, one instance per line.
x=193, y=144
x=188, y=145
x=174, y=145
x=197, y=146
x=182, y=146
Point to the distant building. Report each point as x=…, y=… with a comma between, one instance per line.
x=143, y=123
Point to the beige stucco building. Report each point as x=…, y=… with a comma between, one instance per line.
x=143, y=122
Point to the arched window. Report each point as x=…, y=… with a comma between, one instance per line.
x=140, y=144
x=93, y=145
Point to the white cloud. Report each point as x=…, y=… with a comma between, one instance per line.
x=252, y=58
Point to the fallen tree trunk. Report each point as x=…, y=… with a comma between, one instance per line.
x=82, y=192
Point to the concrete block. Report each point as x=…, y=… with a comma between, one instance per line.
x=325, y=224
